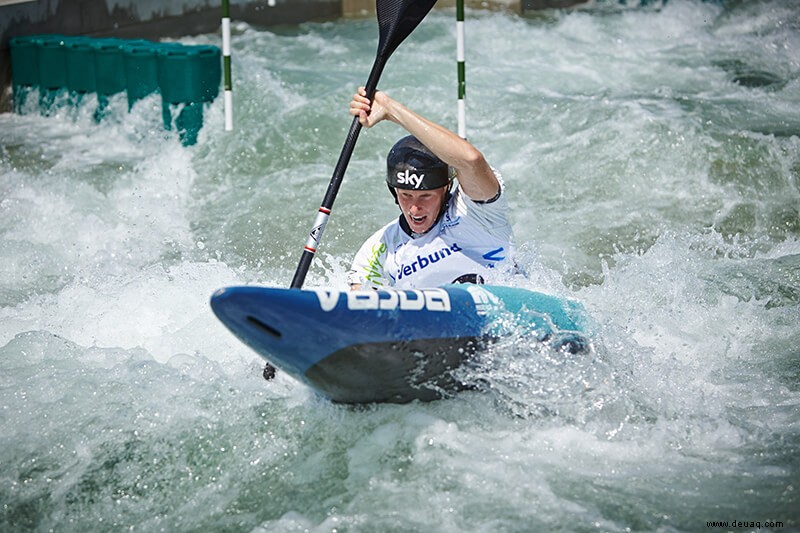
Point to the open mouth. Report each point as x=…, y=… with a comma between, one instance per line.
x=417, y=220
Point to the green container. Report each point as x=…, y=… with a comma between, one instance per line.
x=80, y=64
x=52, y=61
x=24, y=61
x=109, y=66
x=188, y=74
x=140, y=61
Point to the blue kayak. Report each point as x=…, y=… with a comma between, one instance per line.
x=390, y=345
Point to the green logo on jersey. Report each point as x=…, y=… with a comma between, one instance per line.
x=374, y=266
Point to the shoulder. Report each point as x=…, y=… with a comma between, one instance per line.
x=491, y=215
x=390, y=232
x=463, y=202
x=384, y=239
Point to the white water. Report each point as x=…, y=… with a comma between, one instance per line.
x=649, y=178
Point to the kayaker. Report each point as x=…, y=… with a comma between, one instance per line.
x=446, y=233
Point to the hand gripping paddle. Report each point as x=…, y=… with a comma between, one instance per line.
x=396, y=20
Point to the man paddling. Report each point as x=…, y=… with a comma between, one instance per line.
x=445, y=234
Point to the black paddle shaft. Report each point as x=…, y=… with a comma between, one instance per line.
x=396, y=20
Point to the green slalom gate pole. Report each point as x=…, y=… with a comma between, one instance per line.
x=461, y=64
x=226, y=63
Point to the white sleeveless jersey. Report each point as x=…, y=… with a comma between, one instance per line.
x=469, y=238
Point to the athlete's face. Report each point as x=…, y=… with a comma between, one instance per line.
x=421, y=208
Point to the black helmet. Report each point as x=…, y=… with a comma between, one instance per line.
x=410, y=165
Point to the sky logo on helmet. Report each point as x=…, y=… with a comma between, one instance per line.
x=407, y=178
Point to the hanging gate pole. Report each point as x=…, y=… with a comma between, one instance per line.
x=461, y=65
x=226, y=63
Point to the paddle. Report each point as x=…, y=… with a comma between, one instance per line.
x=396, y=20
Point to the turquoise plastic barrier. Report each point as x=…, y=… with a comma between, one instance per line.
x=187, y=76
x=109, y=66
x=52, y=61
x=189, y=73
x=140, y=62
x=80, y=73
x=24, y=53
x=25, y=61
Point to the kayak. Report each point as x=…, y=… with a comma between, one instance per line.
x=393, y=346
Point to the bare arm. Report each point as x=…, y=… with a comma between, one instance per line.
x=475, y=176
